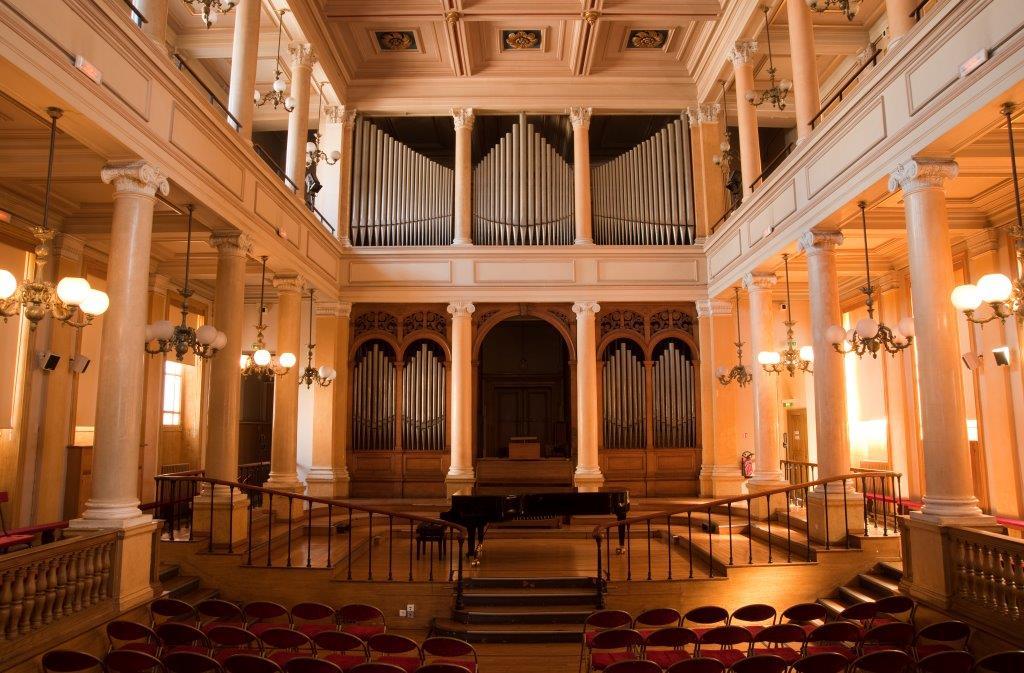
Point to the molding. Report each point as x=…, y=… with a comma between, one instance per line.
x=710, y=308
x=333, y=309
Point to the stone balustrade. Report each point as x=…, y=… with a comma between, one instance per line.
x=986, y=575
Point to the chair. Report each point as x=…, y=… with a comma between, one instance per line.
x=70, y=661
x=838, y=637
x=941, y=637
x=726, y=637
x=807, y=615
x=823, y=662
x=388, y=648
x=442, y=668
x=611, y=646
x=649, y=621
x=707, y=617
x=178, y=637
x=310, y=665
x=170, y=610
x=250, y=663
x=1001, y=662
x=883, y=661
x=760, y=663
x=263, y=615
x=891, y=607
x=130, y=661
x=672, y=642
x=213, y=611
x=376, y=667
x=697, y=665
x=125, y=635
x=598, y=621
x=777, y=640
x=281, y=644
x=190, y=662
x=227, y=641
x=310, y=618
x=754, y=617
x=441, y=650
x=889, y=636
x=861, y=614
x=953, y=661
x=346, y=650
x=637, y=666
x=361, y=620
x=8, y=540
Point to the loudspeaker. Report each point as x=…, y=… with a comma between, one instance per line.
x=1002, y=356
x=80, y=363
x=972, y=361
x=47, y=361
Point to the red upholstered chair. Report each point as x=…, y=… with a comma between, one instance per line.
x=170, y=610
x=214, y=611
x=941, y=637
x=781, y=640
x=388, y=648
x=125, y=635
x=361, y=620
x=637, y=666
x=1001, y=662
x=130, y=661
x=726, y=638
x=838, y=637
x=191, y=662
x=823, y=662
x=883, y=661
x=442, y=668
x=344, y=650
x=281, y=644
x=313, y=618
x=697, y=665
x=953, y=661
x=753, y=617
x=598, y=621
x=178, y=637
x=611, y=646
x=70, y=661
x=227, y=640
x=667, y=646
x=649, y=621
x=250, y=663
x=310, y=665
x=760, y=663
x=807, y=615
x=890, y=636
x=861, y=614
x=376, y=667
x=704, y=618
x=898, y=608
x=440, y=650
x=263, y=615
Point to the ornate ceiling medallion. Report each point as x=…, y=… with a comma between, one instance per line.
x=520, y=39
x=647, y=39
x=396, y=40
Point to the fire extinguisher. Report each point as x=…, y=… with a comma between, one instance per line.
x=747, y=464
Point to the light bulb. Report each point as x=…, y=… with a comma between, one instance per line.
x=724, y=145
x=850, y=334
x=786, y=85
x=243, y=361
x=289, y=103
x=257, y=96
x=206, y=335
x=749, y=96
x=721, y=371
x=965, y=297
x=995, y=287
x=163, y=330
x=261, y=357
x=96, y=302
x=72, y=290
x=716, y=159
x=220, y=341
x=8, y=284
x=279, y=85
x=335, y=155
x=769, y=358
x=867, y=328
x=311, y=146
x=906, y=326
x=325, y=372
x=287, y=360
x=807, y=353
x=835, y=334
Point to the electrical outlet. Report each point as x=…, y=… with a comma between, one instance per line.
x=410, y=610
x=401, y=613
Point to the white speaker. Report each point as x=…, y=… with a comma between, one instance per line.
x=47, y=361
x=80, y=363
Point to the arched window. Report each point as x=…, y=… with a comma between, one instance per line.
x=373, y=397
x=675, y=403
x=623, y=392
x=423, y=404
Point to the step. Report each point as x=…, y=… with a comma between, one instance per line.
x=199, y=594
x=891, y=569
x=522, y=614
x=179, y=585
x=508, y=633
x=168, y=570
x=834, y=606
x=530, y=583
x=547, y=598
x=783, y=543
x=851, y=595
x=797, y=518
x=878, y=584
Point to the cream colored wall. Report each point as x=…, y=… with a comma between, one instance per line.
x=13, y=350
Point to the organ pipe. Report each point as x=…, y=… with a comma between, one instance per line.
x=675, y=407
x=623, y=386
x=423, y=400
x=373, y=400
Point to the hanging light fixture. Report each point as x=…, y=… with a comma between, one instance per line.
x=276, y=94
x=1004, y=296
x=210, y=10
x=261, y=363
x=779, y=91
x=163, y=336
x=323, y=376
x=847, y=7
x=739, y=373
x=792, y=359
x=314, y=154
x=726, y=156
x=869, y=335
x=72, y=301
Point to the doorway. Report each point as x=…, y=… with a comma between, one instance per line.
x=256, y=420
x=796, y=435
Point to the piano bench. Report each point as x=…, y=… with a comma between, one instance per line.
x=429, y=533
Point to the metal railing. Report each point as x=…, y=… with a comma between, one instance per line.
x=137, y=18
x=850, y=81
x=796, y=472
x=179, y=61
x=276, y=167
x=772, y=165
x=918, y=10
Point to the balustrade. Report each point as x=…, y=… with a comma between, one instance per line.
x=986, y=574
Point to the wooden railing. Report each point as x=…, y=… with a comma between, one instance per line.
x=986, y=575
x=46, y=584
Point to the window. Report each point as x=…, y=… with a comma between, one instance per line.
x=172, y=393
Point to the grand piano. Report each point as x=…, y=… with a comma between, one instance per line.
x=476, y=511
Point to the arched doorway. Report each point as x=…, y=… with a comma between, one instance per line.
x=525, y=387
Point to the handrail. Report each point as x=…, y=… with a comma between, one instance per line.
x=139, y=18
x=916, y=13
x=838, y=95
x=773, y=164
x=179, y=60
x=323, y=219
x=274, y=166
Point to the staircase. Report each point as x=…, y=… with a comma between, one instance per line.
x=881, y=581
x=183, y=587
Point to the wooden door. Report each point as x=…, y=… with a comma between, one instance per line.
x=520, y=412
x=796, y=431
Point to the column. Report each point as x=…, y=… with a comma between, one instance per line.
x=707, y=135
x=720, y=475
x=460, y=474
x=245, y=48
x=155, y=26
x=898, y=12
x=114, y=501
x=298, y=120
x=283, y=456
x=805, y=70
x=767, y=438
x=153, y=387
x=580, y=118
x=325, y=474
x=588, y=475
x=746, y=114
x=341, y=412
x=463, y=118
x=347, y=120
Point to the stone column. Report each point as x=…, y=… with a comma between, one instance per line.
x=341, y=412
x=114, y=501
x=153, y=388
x=463, y=119
x=588, y=475
x=298, y=120
x=805, y=68
x=580, y=117
x=706, y=133
x=746, y=114
x=900, y=21
x=245, y=48
x=720, y=474
x=460, y=474
x=283, y=475
x=325, y=474
x=347, y=120
x=767, y=438
x=155, y=27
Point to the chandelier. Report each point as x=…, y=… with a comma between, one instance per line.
x=261, y=364
x=847, y=7
x=1004, y=296
x=203, y=342
x=314, y=154
x=739, y=373
x=792, y=359
x=72, y=301
x=869, y=335
x=779, y=91
x=210, y=10
x=726, y=156
x=323, y=376
x=276, y=93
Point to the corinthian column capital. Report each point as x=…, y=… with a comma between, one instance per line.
x=743, y=51
x=463, y=118
x=135, y=177
x=922, y=173
x=302, y=54
x=758, y=280
x=580, y=116
x=289, y=282
x=231, y=243
x=461, y=308
x=817, y=242
x=706, y=113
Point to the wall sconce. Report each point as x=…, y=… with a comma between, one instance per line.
x=1002, y=356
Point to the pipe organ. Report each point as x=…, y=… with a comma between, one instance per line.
x=373, y=398
x=645, y=196
x=523, y=192
x=624, y=394
x=675, y=408
x=399, y=196
x=423, y=393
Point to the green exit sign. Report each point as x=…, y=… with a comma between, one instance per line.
x=787, y=405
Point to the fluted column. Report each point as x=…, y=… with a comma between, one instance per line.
x=805, y=68
x=155, y=26
x=898, y=12
x=746, y=114
x=463, y=119
x=588, y=468
x=298, y=120
x=341, y=412
x=720, y=465
x=767, y=438
x=580, y=118
x=460, y=474
x=245, y=48
x=347, y=120
x=114, y=499
x=325, y=473
x=283, y=456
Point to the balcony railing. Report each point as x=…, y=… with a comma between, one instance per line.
x=986, y=576
x=179, y=60
x=137, y=18
x=850, y=82
x=772, y=165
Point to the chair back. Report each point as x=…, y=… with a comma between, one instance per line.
x=672, y=636
x=1002, y=662
x=250, y=663
x=802, y=613
x=311, y=612
x=441, y=646
x=607, y=619
x=121, y=632
x=897, y=605
x=835, y=632
x=617, y=639
x=883, y=661
x=726, y=636
x=635, y=666
x=375, y=667
x=339, y=641
x=442, y=667
x=278, y=638
x=224, y=636
x=216, y=609
x=954, y=633
x=900, y=635
x=781, y=634
x=131, y=661
x=170, y=610
x=390, y=643
x=706, y=614
x=191, y=662
x=760, y=663
x=859, y=612
x=824, y=662
x=310, y=665
x=755, y=613
x=69, y=661
x=177, y=634
x=658, y=617
x=356, y=613
x=265, y=611
x=953, y=661
x=697, y=665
